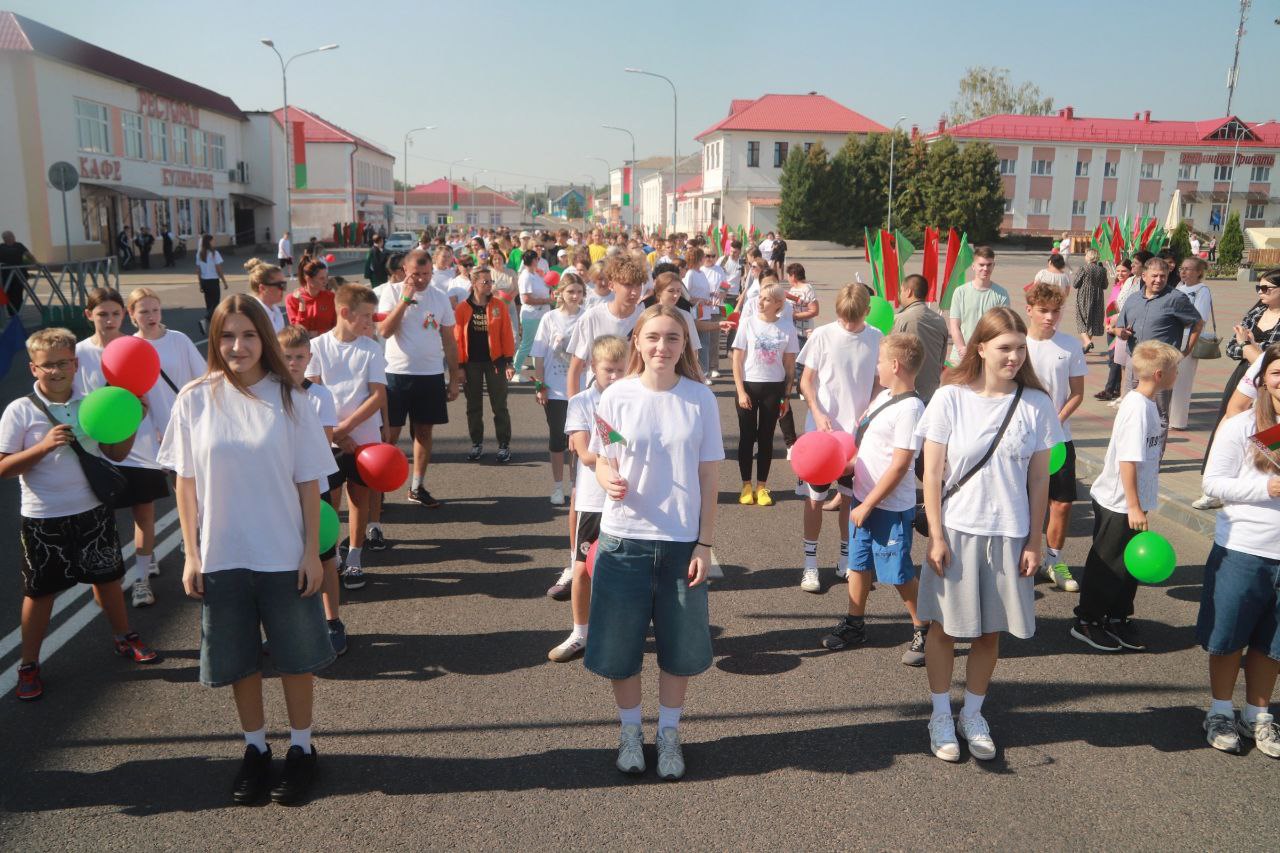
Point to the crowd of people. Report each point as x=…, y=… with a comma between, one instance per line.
x=954, y=415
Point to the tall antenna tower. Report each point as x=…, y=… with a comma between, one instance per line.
x=1235, y=61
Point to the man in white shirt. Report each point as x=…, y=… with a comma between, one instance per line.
x=731, y=263
x=284, y=253
x=766, y=247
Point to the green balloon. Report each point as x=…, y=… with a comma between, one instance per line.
x=881, y=314
x=1150, y=558
x=110, y=415
x=1057, y=457
x=330, y=526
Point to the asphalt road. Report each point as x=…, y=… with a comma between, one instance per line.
x=446, y=727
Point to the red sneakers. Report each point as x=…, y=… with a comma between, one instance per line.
x=30, y=687
x=131, y=646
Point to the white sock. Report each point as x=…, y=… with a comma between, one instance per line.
x=143, y=562
x=668, y=718
x=416, y=482
x=1225, y=707
x=257, y=739
x=941, y=703
x=579, y=632
x=1251, y=712
x=301, y=737
x=353, y=558
x=372, y=526
x=972, y=705
x=811, y=553
x=1051, y=556
x=630, y=716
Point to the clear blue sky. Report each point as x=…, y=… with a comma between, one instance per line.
x=522, y=88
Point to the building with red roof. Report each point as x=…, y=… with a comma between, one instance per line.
x=743, y=153
x=1064, y=172
x=445, y=202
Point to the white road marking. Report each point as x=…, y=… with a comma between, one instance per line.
x=715, y=571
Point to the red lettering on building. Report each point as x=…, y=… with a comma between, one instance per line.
x=183, y=178
x=91, y=168
x=167, y=109
x=1196, y=157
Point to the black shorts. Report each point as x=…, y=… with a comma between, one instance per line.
x=146, y=485
x=819, y=491
x=588, y=533
x=556, y=412
x=1062, y=485
x=347, y=471
x=58, y=553
x=420, y=399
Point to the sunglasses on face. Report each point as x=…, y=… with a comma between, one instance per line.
x=1264, y=289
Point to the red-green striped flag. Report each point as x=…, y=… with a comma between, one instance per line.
x=888, y=266
x=299, y=156
x=876, y=259
x=1268, y=442
x=626, y=186
x=929, y=268
x=905, y=251
x=956, y=276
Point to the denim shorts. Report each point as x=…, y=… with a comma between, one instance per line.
x=638, y=582
x=238, y=605
x=883, y=544
x=1239, y=605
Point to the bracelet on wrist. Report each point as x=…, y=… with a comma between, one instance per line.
x=408, y=300
x=703, y=544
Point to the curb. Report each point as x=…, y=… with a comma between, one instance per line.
x=1173, y=507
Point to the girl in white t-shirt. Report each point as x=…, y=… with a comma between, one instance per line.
x=209, y=274
x=536, y=300
x=984, y=546
x=250, y=455
x=764, y=358
x=658, y=443
x=551, y=374
x=1238, y=601
x=268, y=283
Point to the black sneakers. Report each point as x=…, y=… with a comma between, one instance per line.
x=297, y=778
x=1126, y=632
x=375, y=541
x=504, y=454
x=1095, y=635
x=254, y=776
x=423, y=497
x=844, y=635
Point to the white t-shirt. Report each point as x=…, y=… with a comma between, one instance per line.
x=551, y=344
x=764, y=344
x=581, y=417
x=1249, y=517
x=459, y=288
x=893, y=429
x=416, y=349
x=530, y=284
x=1056, y=361
x=55, y=486
x=691, y=328
x=717, y=278
x=284, y=249
x=669, y=434
x=1060, y=280
x=593, y=299
x=208, y=268
x=994, y=502
x=1248, y=383
x=247, y=456
x=146, y=441
x=347, y=369
x=1195, y=246
x=321, y=399
x=699, y=290
x=766, y=249
x=181, y=362
x=275, y=314
x=597, y=323
x=1201, y=297
x=1135, y=437
x=845, y=364
x=802, y=296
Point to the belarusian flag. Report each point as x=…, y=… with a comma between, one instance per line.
x=1117, y=242
x=453, y=196
x=876, y=260
x=299, y=156
x=609, y=436
x=1148, y=229
x=957, y=270
x=626, y=186
x=905, y=251
x=929, y=268
x=888, y=266
x=1268, y=442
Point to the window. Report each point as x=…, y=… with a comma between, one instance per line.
x=1255, y=211
x=1008, y=206
x=138, y=214
x=1042, y=167
x=184, y=217
x=205, y=224
x=473, y=218
x=1188, y=210
x=220, y=215
x=181, y=146
x=442, y=219
x=753, y=155
x=199, y=149
x=1107, y=208
x=217, y=151
x=1222, y=173
x=1260, y=174
x=779, y=154
x=1077, y=207
x=1008, y=167
x=807, y=146
x=1082, y=168
x=160, y=216
x=91, y=127
x=1039, y=205
x=133, y=145
x=1110, y=169
x=1147, y=208
x=160, y=142
x=1188, y=171
x=495, y=218
x=1149, y=170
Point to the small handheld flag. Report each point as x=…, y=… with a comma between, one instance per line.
x=608, y=435
x=1268, y=442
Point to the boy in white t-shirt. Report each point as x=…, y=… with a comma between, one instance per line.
x=838, y=380
x=67, y=535
x=350, y=364
x=884, y=494
x=296, y=344
x=626, y=277
x=1058, y=359
x=1125, y=491
x=608, y=364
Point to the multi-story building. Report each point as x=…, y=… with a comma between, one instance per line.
x=656, y=198
x=444, y=203
x=640, y=170
x=743, y=153
x=1065, y=172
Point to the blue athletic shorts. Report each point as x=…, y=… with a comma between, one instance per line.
x=883, y=544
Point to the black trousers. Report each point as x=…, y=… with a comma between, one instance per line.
x=212, y=290
x=1107, y=589
x=756, y=426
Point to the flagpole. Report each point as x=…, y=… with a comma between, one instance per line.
x=893, y=137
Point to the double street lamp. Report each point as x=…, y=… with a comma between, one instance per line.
x=625, y=190
x=675, y=136
x=405, y=205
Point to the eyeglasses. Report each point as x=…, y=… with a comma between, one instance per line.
x=53, y=366
x=1264, y=289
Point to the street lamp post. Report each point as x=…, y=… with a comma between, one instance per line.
x=405, y=211
x=632, y=223
x=607, y=170
x=449, y=203
x=893, y=136
x=475, y=179
x=675, y=137
x=284, y=82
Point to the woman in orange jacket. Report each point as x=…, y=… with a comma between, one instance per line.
x=485, y=349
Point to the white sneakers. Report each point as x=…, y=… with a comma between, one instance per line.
x=810, y=582
x=1206, y=502
x=670, y=756
x=568, y=650
x=942, y=737
x=631, y=750
x=976, y=731
x=1220, y=732
x=142, y=594
x=1264, y=733
x=557, y=496
x=944, y=744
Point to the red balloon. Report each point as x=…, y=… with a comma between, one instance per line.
x=132, y=364
x=848, y=447
x=382, y=467
x=553, y=278
x=591, y=558
x=816, y=457
x=329, y=258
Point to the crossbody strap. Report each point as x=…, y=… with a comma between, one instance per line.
x=168, y=381
x=54, y=422
x=866, y=421
x=995, y=442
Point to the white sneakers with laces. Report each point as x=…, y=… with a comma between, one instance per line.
x=670, y=756
x=1264, y=733
x=942, y=737
x=631, y=750
x=976, y=731
x=810, y=582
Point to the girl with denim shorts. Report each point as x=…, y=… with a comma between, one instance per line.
x=658, y=442
x=250, y=453
x=1239, y=608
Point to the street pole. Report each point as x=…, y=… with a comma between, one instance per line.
x=449, y=203
x=893, y=137
x=405, y=191
x=675, y=138
x=632, y=212
x=607, y=171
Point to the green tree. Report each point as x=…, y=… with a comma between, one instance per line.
x=573, y=210
x=1180, y=242
x=858, y=187
x=911, y=179
x=1231, y=246
x=804, y=184
x=986, y=91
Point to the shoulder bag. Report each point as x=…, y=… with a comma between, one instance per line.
x=1208, y=347
x=106, y=481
